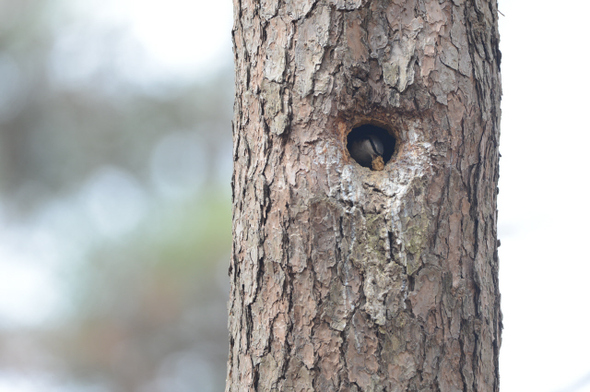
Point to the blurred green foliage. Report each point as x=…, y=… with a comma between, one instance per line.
x=124, y=176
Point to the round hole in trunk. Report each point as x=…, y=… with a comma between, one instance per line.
x=371, y=146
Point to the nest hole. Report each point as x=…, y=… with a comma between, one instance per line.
x=371, y=146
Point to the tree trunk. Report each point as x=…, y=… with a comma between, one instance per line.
x=352, y=278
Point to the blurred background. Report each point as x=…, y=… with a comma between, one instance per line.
x=115, y=212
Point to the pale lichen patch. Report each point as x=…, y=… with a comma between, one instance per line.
x=348, y=5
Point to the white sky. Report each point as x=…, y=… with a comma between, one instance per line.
x=543, y=202
x=183, y=34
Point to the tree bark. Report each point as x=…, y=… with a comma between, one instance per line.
x=345, y=278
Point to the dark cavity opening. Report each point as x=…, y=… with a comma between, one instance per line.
x=367, y=143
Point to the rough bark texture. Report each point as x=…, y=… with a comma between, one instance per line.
x=344, y=278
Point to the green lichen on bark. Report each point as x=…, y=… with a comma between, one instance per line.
x=415, y=221
x=416, y=239
x=376, y=239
